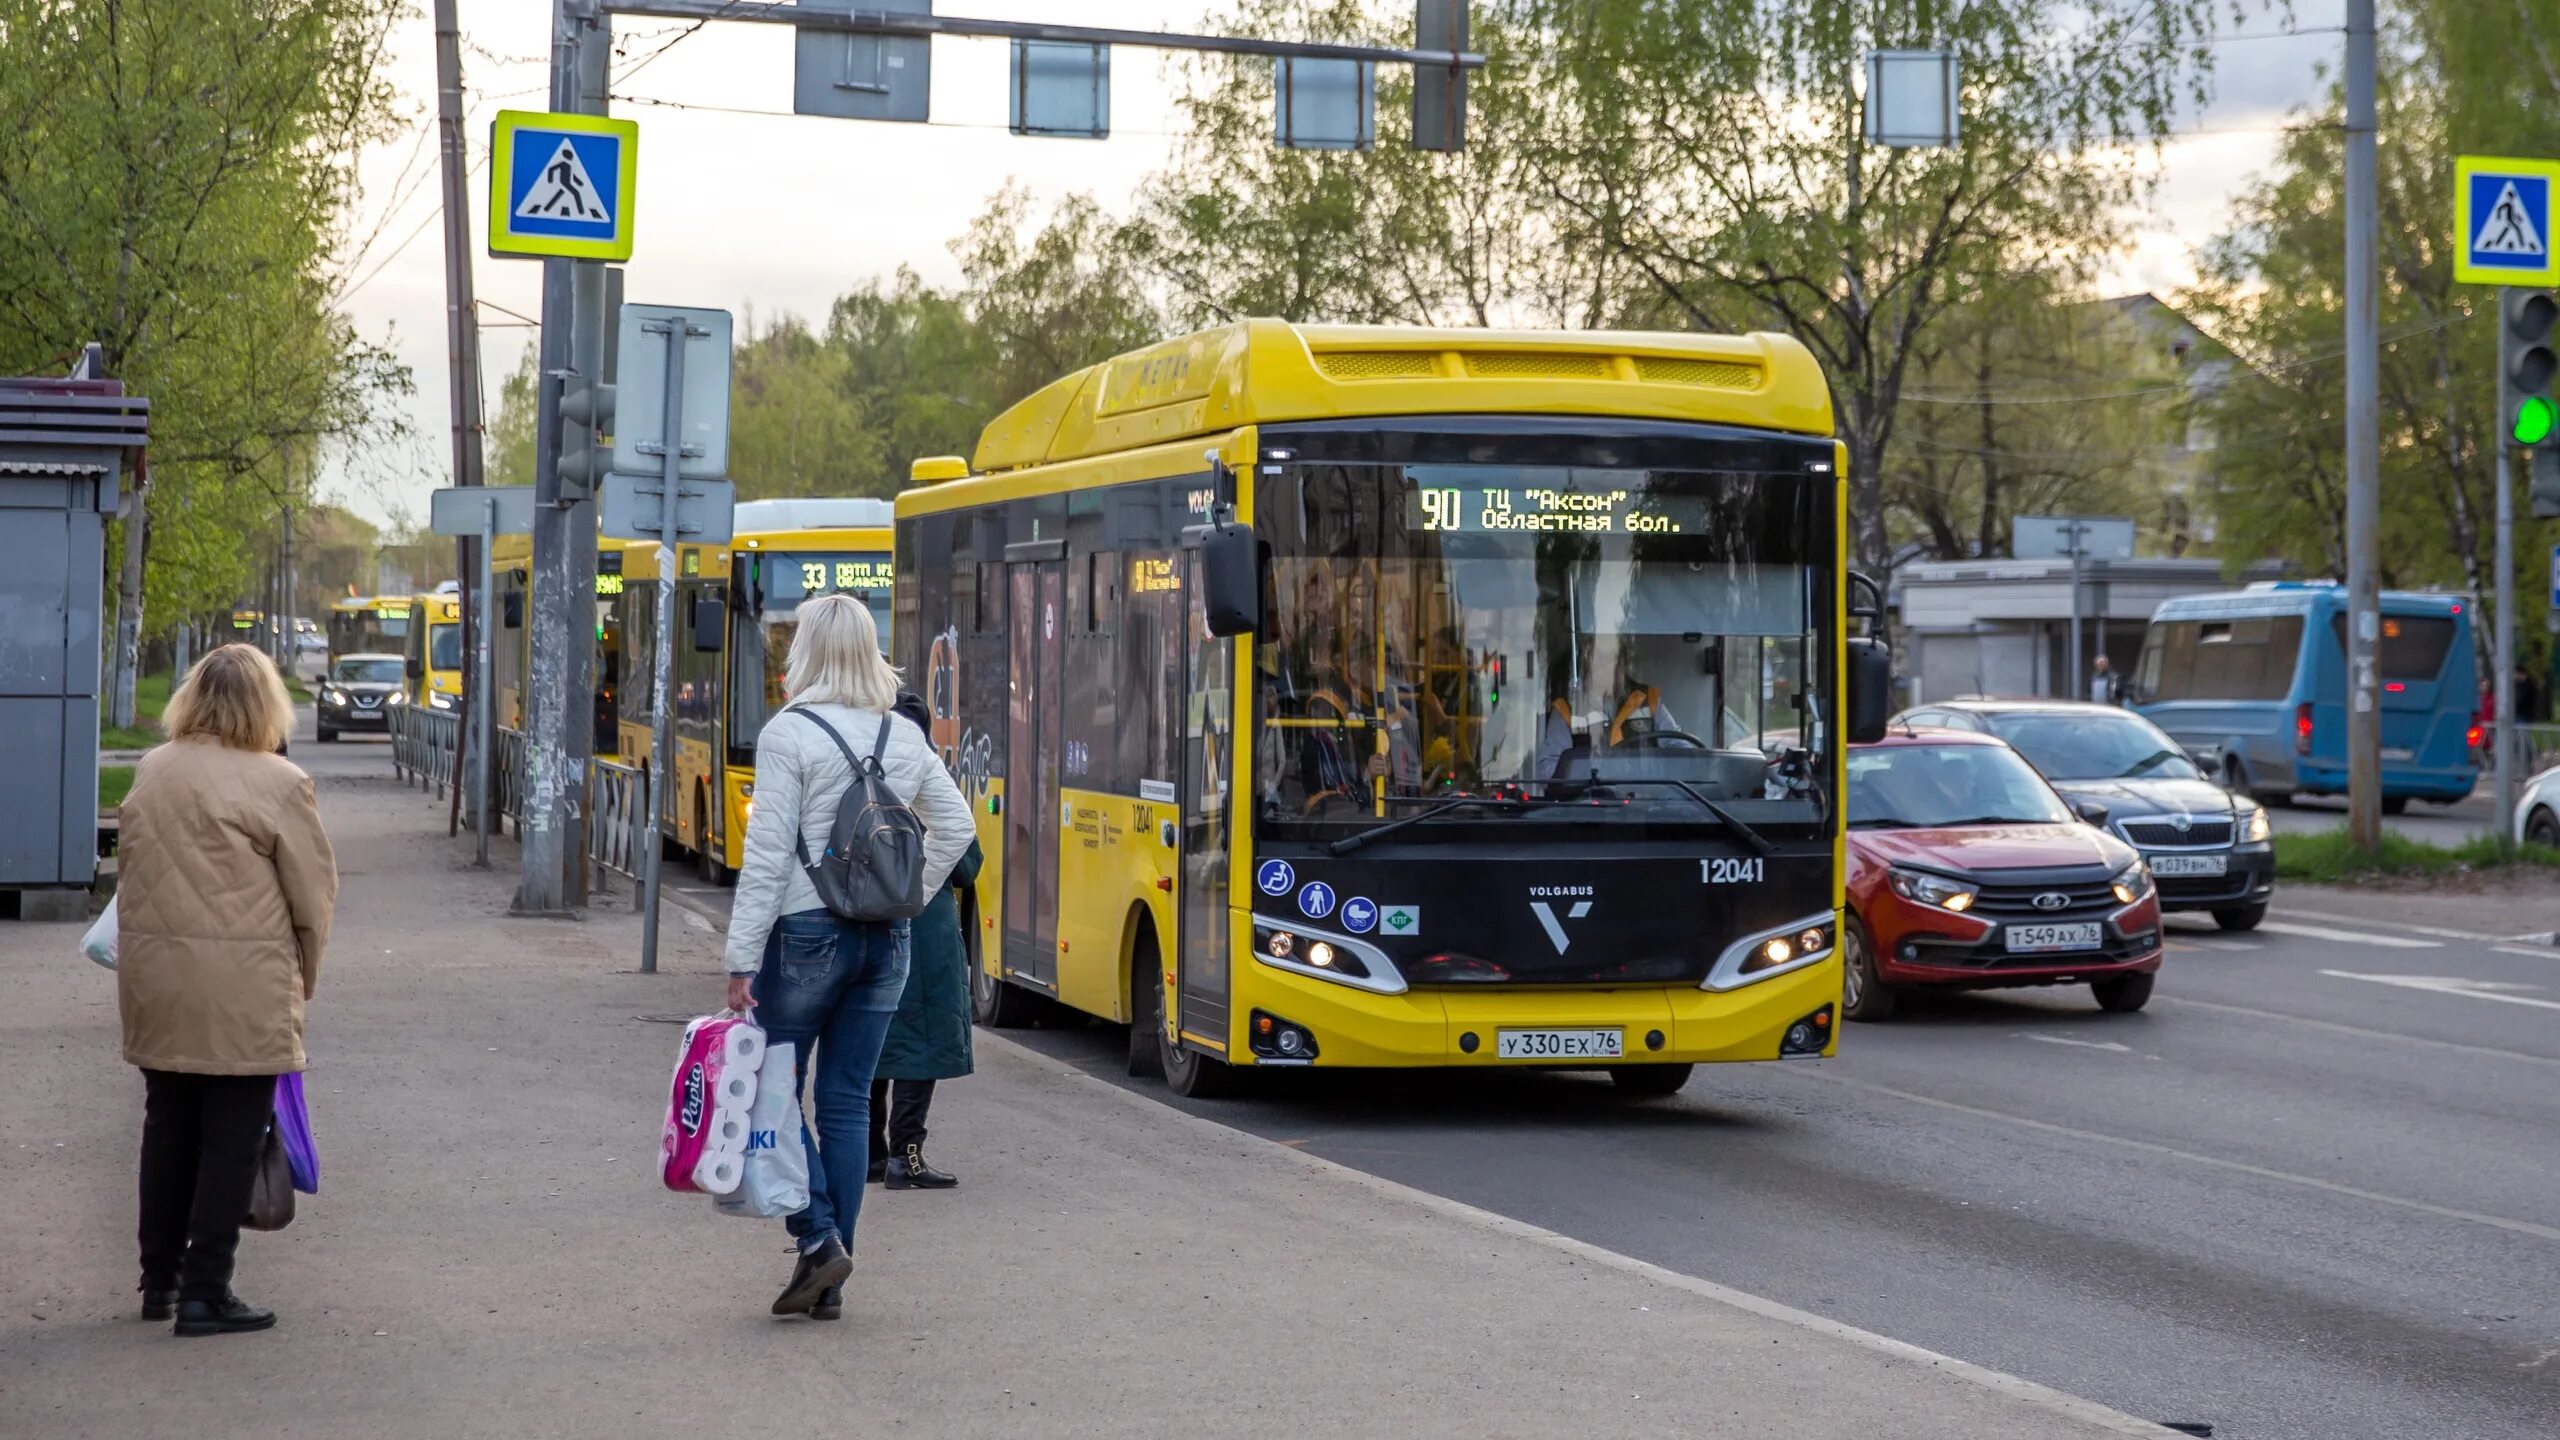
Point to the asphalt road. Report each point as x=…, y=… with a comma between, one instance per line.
x=2423, y=820
x=2312, y=1192
x=2304, y=1195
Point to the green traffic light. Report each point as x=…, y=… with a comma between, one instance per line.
x=2536, y=418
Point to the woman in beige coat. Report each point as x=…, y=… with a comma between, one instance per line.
x=222, y=912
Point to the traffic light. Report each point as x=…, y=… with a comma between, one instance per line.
x=586, y=437
x=2527, y=363
x=2544, y=492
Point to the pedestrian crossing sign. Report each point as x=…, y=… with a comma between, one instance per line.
x=2502, y=221
x=562, y=185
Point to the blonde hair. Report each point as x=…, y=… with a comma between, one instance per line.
x=234, y=696
x=836, y=659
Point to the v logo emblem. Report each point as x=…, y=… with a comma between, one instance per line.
x=1555, y=928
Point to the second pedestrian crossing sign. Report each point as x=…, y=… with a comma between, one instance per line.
x=562, y=185
x=2502, y=221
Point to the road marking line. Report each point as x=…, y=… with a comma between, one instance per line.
x=2450, y=985
x=2352, y=937
x=2043, y=1397
x=2438, y=931
x=2358, y=1031
x=2232, y=945
x=2499, y=1222
x=2546, y=953
x=2083, y=1044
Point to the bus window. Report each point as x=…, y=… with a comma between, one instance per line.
x=2246, y=658
x=771, y=586
x=2413, y=646
x=1454, y=627
x=444, y=647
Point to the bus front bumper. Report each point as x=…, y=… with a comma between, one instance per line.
x=1461, y=1026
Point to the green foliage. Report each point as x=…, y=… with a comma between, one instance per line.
x=2328, y=857
x=2458, y=76
x=173, y=179
x=903, y=369
x=114, y=783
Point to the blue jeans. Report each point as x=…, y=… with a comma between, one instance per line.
x=832, y=984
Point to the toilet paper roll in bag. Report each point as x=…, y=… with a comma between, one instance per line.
x=706, y=1083
x=728, y=1133
x=718, y=1174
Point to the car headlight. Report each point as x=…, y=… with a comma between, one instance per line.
x=1922, y=887
x=2254, y=828
x=334, y=697
x=2132, y=883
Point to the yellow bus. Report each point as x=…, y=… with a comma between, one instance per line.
x=511, y=573
x=368, y=625
x=735, y=605
x=1379, y=697
x=434, y=654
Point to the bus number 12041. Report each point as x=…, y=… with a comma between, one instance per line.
x=1744, y=871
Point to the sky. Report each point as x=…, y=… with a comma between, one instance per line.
x=746, y=207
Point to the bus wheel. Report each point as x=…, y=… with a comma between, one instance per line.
x=1192, y=1075
x=1646, y=1081
x=1146, y=1006
x=1000, y=1004
x=706, y=853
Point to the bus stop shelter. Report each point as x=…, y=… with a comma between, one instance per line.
x=64, y=446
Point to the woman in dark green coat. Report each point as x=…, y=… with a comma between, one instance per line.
x=929, y=1036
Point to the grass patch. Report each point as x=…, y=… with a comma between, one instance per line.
x=151, y=695
x=114, y=783
x=140, y=737
x=2327, y=857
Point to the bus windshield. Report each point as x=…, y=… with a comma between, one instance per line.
x=771, y=584
x=1602, y=645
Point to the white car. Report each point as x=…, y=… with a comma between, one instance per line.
x=2538, y=809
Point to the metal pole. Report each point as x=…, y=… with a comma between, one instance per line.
x=541, y=887
x=2506, y=730
x=2364, y=483
x=2078, y=685
x=587, y=361
x=663, y=643
x=462, y=350
x=484, y=710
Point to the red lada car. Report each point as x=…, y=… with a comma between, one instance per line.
x=1967, y=870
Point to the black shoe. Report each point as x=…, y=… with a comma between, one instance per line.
x=229, y=1315
x=158, y=1304
x=830, y=1304
x=910, y=1172
x=817, y=1271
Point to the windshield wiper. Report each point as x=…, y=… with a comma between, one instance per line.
x=1758, y=842
x=1355, y=840
x=2154, y=758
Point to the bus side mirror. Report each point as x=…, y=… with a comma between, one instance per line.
x=710, y=619
x=511, y=607
x=1231, y=579
x=416, y=667
x=1866, y=601
x=1870, y=690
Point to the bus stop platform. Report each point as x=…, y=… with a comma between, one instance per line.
x=491, y=1253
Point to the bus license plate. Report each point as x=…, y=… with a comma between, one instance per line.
x=2190, y=864
x=2031, y=939
x=1559, y=1044
x=2395, y=753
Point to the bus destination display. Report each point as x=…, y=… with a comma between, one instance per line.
x=820, y=574
x=1533, y=509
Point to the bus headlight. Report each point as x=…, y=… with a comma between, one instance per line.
x=2133, y=883
x=441, y=701
x=1343, y=959
x=1776, y=951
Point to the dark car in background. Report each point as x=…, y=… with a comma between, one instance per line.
x=357, y=693
x=1967, y=871
x=2208, y=848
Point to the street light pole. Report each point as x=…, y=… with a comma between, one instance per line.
x=2504, y=728
x=2364, y=493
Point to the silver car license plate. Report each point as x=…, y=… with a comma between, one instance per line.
x=2168, y=865
x=2036, y=939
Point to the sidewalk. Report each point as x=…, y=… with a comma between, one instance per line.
x=492, y=1255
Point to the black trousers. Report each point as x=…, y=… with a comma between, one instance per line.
x=897, y=1115
x=201, y=1139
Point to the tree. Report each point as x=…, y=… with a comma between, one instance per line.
x=172, y=177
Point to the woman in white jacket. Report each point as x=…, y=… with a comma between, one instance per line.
x=818, y=981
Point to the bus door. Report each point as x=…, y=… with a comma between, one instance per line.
x=1208, y=753
x=1036, y=590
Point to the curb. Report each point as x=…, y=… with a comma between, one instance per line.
x=2041, y=1397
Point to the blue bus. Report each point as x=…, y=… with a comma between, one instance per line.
x=2254, y=684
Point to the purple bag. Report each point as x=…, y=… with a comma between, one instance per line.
x=293, y=1126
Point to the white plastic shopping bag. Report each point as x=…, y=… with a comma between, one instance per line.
x=100, y=943
x=776, y=1182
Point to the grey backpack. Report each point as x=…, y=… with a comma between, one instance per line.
x=873, y=868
